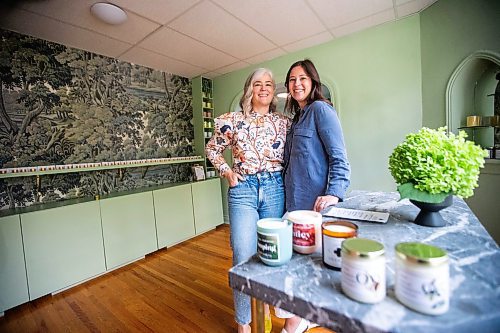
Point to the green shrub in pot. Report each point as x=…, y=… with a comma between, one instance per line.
x=431, y=164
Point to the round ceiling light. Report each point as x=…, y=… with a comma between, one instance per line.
x=108, y=13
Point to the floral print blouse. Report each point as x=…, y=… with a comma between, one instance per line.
x=257, y=142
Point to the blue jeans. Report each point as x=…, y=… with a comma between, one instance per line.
x=259, y=196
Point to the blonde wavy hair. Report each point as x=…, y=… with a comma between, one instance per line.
x=246, y=99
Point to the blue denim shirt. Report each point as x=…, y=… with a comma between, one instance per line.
x=315, y=157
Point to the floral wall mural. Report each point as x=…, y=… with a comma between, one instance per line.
x=60, y=105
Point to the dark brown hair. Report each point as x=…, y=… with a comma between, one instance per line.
x=292, y=106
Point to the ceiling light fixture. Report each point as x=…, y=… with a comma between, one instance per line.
x=108, y=13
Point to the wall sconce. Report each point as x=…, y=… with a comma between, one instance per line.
x=108, y=13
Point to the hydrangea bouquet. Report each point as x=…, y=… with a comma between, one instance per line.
x=431, y=164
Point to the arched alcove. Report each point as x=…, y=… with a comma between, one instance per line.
x=470, y=91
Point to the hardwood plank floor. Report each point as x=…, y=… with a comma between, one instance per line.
x=180, y=289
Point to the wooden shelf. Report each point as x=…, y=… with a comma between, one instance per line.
x=479, y=126
x=86, y=167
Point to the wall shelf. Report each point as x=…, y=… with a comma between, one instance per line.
x=203, y=119
x=479, y=126
x=86, y=167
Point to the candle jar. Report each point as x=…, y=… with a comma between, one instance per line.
x=306, y=231
x=422, y=277
x=334, y=233
x=363, y=270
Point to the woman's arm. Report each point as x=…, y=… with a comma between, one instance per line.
x=222, y=138
x=330, y=132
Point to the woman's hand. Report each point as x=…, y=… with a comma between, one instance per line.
x=324, y=201
x=233, y=178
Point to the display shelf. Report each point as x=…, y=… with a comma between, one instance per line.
x=86, y=167
x=478, y=126
x=203, y=119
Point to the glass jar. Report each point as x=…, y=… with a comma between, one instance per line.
x=422, y=277
x=334, y=233
x=306, y=231
x=363, y=270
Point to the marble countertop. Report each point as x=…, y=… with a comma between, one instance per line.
x=305, y=286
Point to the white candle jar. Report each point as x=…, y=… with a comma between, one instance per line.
x=422, y=278
x=306, y=231
x=363, y=270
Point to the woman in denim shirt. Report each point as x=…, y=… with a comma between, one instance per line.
x=316, y=171
x=256, y=135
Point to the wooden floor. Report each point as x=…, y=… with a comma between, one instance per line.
x=180, y=289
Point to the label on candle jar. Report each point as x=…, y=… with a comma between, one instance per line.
x=424, y=292
x=334, y=233
x=267, y=246
x=364, y=280
x=304, y=234
x=363, y=270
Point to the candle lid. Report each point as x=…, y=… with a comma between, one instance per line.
x=362, y=247
x=421, y=253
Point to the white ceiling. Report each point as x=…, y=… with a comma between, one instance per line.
x=203, y=37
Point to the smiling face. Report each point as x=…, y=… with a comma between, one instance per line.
x=262, y=92
x=299, y=85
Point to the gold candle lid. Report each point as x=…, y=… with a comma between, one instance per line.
x=362, y=247
x=420, y=253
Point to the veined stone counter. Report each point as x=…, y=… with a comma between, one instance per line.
x=306, y=287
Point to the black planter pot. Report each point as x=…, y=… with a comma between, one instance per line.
x=429, y=212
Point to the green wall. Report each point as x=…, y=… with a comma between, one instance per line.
x=391, y=80
x=375, y=75
x=451, y=30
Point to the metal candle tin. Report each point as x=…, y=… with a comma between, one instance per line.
x=363, y=270
x=334, y=233
x=422, y=277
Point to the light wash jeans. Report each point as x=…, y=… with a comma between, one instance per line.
x=259, y=196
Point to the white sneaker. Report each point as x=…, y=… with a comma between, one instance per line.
x=301, y=328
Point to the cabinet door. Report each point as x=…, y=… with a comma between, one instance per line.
x=174, y=215
x=13, y=284
x=128, y=228
x=207, y=205
x=63, y=246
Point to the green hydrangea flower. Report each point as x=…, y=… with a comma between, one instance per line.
x=431, y=164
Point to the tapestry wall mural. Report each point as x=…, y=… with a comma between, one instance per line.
x=60, y=105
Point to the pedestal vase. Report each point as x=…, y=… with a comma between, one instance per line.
x=429, y=215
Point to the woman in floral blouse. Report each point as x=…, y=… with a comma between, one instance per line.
x=256, y=136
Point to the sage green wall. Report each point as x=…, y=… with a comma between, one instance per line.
x=375, y=75
x=451, y=30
